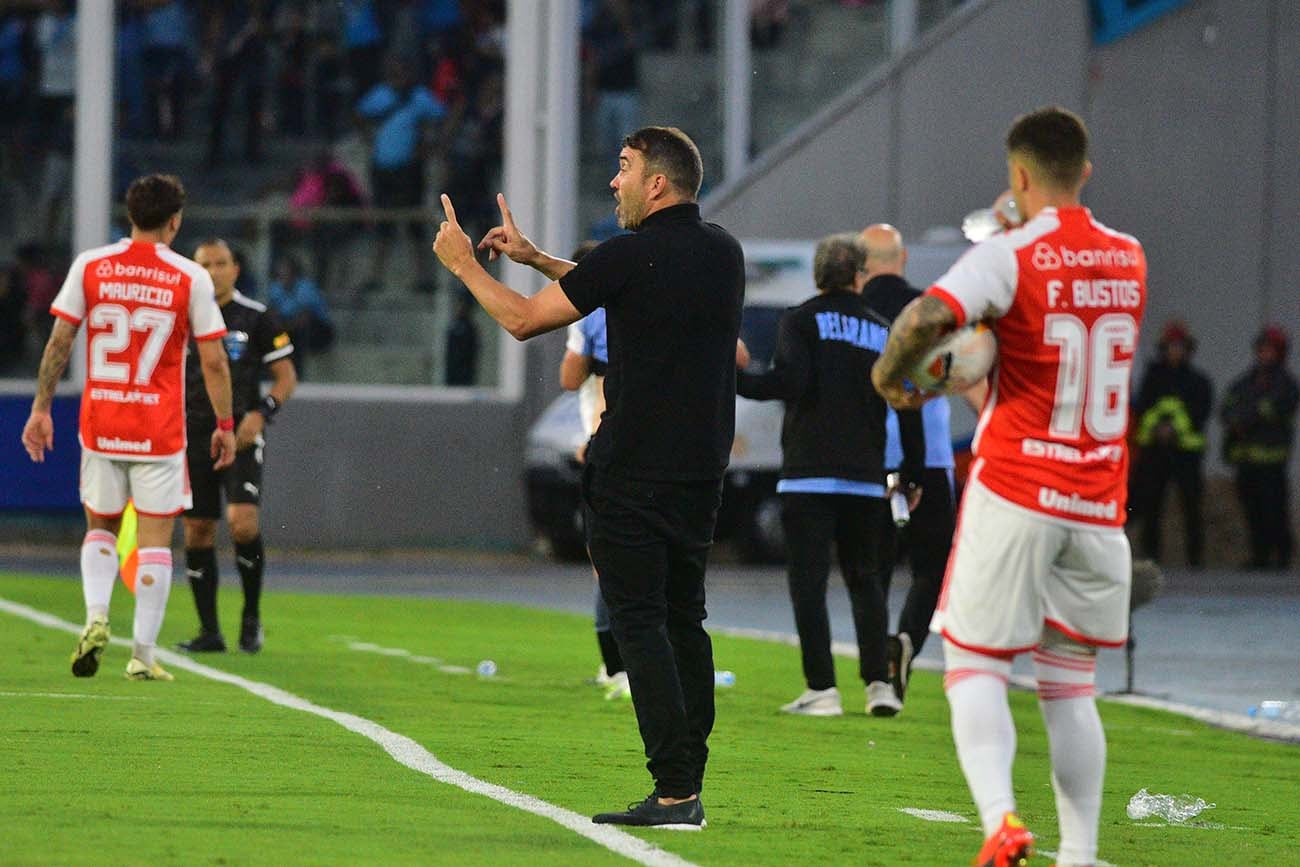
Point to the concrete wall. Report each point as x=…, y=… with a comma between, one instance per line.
x=396, y=474
x=1195, y=121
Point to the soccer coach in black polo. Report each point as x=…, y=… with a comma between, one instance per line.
x=672, y=293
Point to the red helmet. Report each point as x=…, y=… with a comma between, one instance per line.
x=1272, y=335
x=1176, y=331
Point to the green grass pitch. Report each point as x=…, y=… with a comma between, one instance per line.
x=199, y=772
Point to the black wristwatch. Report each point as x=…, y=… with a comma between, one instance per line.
x=268, y=408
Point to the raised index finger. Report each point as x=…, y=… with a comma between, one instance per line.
x=506, y=217
x=449, y=210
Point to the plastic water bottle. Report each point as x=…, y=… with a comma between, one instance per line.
x=724, y=678
x=1283, y=711
x=487, y=668
x=1171, y=808
x=898, y=501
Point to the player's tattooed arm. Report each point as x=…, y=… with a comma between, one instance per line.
x=918, y=328
x=53, y=363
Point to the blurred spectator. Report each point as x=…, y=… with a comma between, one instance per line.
x=462, y=342
x=37, y=281
x=330, y=86
x=612, y=75
x=324, y=183
x=301, y=306
x=132, y=97
x=237, y=54
x=19, y=61
x=438, y=18
x=294, y=45
x=767, y=22
x=397, y=111
x=56, y=37
x=475, y=153
x=13, y=329
x=1173, y=406
x=168, y=42
x=1259, y=411
x=363, y=41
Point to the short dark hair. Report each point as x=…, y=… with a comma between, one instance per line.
x=151, y=200
x=837, y=261
x=1056, y=140
x=670, y=152
x=214, y=241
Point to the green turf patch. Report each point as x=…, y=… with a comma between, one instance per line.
x=201, y=772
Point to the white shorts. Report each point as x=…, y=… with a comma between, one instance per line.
x=1013, y=572
x=159, y=488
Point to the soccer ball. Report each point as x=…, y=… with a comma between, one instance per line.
x=959, y=361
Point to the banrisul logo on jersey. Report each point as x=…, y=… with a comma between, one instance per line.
x=1045, y=258
x=236, y=344
x=104, y=268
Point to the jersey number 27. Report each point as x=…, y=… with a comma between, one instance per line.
x=118, y=322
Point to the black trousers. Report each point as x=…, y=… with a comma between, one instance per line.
x=649, y=542
x=859, y=529
x=1156, y=468
x=927, y=542
x=1265, y=497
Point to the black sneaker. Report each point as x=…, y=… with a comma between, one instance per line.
x=251, y=635
x=204, y=642
x=686, y=816
x=900, y=662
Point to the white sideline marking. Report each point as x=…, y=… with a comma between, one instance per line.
x=1236, y=722
x=401, y=748
x=69, y=695
x=933, y=815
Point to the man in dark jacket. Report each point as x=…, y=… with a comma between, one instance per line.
x=927, y=539
x=832, y=475
x=1172, y=408
x=1259, y=412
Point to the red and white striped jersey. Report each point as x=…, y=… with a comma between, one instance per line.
x=140, y=301
x=1067, y=295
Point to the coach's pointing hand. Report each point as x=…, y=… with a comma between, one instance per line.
x=454, y=248
x=506, y=239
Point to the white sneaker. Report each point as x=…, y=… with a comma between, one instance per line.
x=619, y=689
x=816, y=702
x=881, y=699
x=601, y=678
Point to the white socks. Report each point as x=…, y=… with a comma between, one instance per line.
x=982, y=729
x=98, y=572
x=1066, y=673
x=153, y=584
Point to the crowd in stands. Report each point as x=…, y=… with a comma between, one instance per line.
x=383, y=100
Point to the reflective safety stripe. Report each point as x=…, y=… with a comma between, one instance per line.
x=1171, y=409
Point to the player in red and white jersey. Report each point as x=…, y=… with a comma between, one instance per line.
x=140, y=302
x=1040, y=563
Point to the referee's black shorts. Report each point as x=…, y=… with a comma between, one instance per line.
x=241, y=482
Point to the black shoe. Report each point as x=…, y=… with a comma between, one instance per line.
x=251, y=635
x=204, y=642
x=686, y=816
x=899, y=649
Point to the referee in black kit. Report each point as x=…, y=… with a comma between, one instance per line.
x=672, y=293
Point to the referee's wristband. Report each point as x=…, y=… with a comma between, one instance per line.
x=268, y=407
x=226, y=424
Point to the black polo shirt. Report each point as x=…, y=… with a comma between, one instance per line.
x=254, y=338
x=672, y=294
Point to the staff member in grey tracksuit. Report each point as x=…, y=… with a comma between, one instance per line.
x=832, y=474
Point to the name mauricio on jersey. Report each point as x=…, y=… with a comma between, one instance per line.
x=154, y=296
